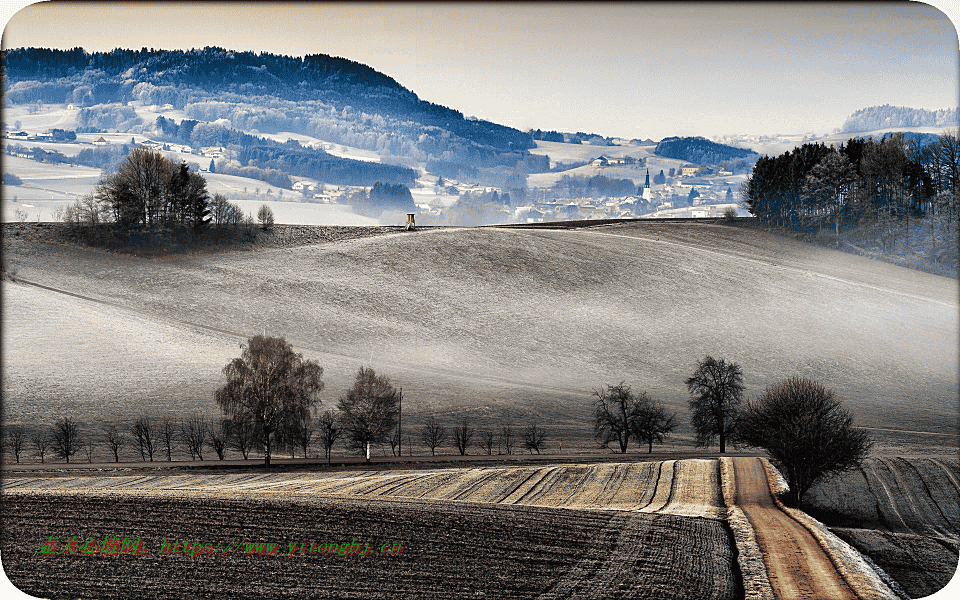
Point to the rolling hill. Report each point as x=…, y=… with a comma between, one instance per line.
x=497, y=325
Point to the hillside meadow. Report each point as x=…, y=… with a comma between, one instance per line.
x=496, y=325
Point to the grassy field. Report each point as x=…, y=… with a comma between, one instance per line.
x=500, y=326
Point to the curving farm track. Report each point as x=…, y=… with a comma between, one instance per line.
x=797, y=566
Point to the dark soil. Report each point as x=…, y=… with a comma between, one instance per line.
x=450, y=550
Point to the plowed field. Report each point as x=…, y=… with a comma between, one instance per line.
x=904, y=513
x=684, y=488
x=454, y=546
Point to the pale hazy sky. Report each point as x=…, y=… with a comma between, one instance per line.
x=623, y=69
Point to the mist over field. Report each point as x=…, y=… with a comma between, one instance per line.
x=500, y=326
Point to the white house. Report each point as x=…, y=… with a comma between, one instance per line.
x=688, y=171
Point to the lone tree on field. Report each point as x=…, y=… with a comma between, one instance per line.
x=65, y=438
x=716, y=388
x=432, y=434
x=269, y=386
x=806, y=431
x=369, y=410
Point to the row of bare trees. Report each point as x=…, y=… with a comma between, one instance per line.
x=150, y=438
x=434, y=435
x=156, y=439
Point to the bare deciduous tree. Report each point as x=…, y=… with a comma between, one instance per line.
x=716, y=388
x=217, y=436
x=613, y=409
x=806, y=431
x=534, y=438
x=193, y=433
x=40, y=440
x=369, y=410
x=240, y=437
x=462, y=436
x=268, y=387
x=329, y=431
x=432, y=434
x=65, y=440
x=145, y=436
x=16, y=440
x=265, y=217
x=485, y=441
x=167, y=434
x=651, y=423
x=506, y=439
x=115, y=440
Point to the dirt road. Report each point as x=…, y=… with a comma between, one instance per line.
x=796, y=565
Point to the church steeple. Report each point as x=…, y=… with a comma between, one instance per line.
x=646, y=184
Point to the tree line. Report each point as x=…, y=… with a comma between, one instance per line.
x=270, y=400
x=893, y=193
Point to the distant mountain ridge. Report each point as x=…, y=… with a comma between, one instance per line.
x=85, y=79
x=889, y=117
x=223, y=92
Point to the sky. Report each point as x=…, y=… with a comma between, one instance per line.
x=634, y=70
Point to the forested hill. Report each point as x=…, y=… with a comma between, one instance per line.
x=698, y=150
x=890, y=117
x=186, y=78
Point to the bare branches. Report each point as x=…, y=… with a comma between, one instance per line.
x=369, y=410
x=16, y=440
x=651, y=423
x=167, y=433
x=217, y=436
x=329, y=430
x=65, y=440
x=432, y=434
x=806, y=431
x=144, y=435
x=270, y=388
x=115, y=440
x=40, y=440
x=506, y=439
x=240, y=437
x=485, y=442
x=612, y=411
x=716, y=388
x=193, y=433
x=534, y=438
x=462, y=436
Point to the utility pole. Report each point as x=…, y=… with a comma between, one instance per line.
x=399, y=426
